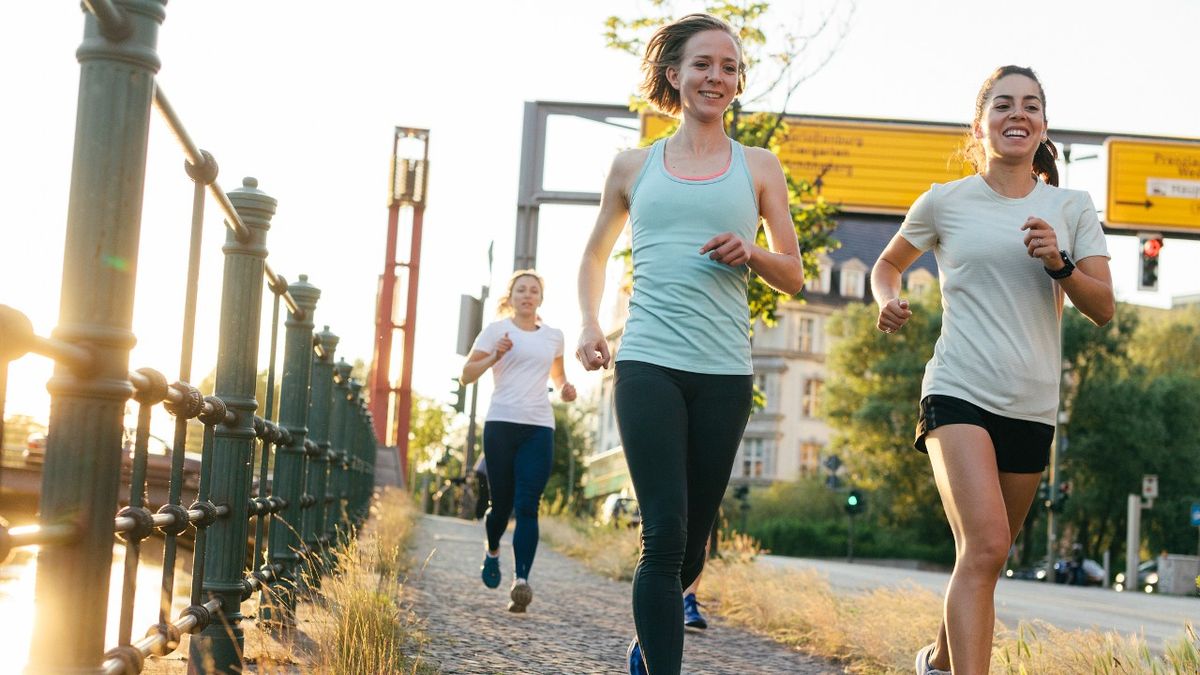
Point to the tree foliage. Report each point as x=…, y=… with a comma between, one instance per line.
x=429, y=424
x=871, y=397
x=573, y=426
x=812, y=216
x=1133, y=396
x=1134, y=410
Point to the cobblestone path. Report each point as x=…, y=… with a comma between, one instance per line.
x=578, y=622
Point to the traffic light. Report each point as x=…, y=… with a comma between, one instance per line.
x=1064, y=493
x=1149, y=245
x=855, y=502
x=460, y=394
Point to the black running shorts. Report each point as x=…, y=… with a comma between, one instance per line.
x=1021, y=446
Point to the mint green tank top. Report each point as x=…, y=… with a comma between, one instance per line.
x=688, y=312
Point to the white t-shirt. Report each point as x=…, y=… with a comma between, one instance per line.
x=520, y=375
x=1000, y=346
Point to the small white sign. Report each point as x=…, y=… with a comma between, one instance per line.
x=1164, y=187
x=1150, y=486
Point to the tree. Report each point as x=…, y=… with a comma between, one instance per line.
x=1169, y=344
x=871, y=398
x=812, y=216
x=1134, y=411
x=573, y=426
x=429, y=425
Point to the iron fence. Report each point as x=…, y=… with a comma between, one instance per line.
x=314, y=476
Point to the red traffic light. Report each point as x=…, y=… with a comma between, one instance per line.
x=1151, y=247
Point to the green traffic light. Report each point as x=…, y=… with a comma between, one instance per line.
x=852, y=500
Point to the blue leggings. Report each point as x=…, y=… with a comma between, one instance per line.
x=681, y=432
x=518, y=458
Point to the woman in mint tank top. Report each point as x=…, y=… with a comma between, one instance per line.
x=683, y=372
x=1009, y=243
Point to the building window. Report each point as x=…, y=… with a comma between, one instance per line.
x=853, y=283
x=756, y=459
x=809, y=452
x=808, y=334
x=811, y=405
x=919, y=281
x=820, y=284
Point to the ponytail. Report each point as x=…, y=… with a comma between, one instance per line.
x=1044, y=164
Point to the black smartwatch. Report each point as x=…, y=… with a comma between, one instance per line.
x=1066, y=270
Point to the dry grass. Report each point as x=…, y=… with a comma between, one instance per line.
x=607, y=551
x=1041, y=648
x=367, y=628
x=876, y=632
x=880, y=630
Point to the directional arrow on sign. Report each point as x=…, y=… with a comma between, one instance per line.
x=1147, y=204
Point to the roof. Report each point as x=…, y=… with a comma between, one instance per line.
x=864, y=237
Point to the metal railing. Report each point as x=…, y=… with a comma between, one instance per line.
x=315, y=464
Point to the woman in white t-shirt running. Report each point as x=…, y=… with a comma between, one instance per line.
x=1008, y=244
x=518, y=435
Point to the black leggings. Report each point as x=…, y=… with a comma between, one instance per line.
x=519, y=458
x=681, y=432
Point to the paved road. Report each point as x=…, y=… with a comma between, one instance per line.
x=1158, y=617
x=578, y=622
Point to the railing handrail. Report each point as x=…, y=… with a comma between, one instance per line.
x=318, y=491
x=205, y=162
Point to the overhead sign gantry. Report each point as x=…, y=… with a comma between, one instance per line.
x=874, y=166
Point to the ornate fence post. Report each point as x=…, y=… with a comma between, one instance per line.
x=350, y=477
x=337, y=428
x=317, y=480
x=83, y=458
x=367, y=482
x=278, y=605
x=218, y=648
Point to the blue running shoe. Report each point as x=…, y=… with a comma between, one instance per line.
x=633, y=657
x=692, y=618
x=490, y=571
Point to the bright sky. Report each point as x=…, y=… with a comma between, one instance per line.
x=304, y=96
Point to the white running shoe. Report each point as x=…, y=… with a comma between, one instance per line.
x=520, y=595
x=922, y=665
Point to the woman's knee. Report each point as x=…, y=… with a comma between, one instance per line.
x=984, y=552
x=664, y=542
x=526, y=507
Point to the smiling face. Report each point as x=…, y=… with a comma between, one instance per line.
x=707, y=75
x=1012, y=121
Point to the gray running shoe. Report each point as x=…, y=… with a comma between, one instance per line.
x=520, y=595
x=922, y=665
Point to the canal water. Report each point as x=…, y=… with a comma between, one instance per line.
x=17, y=598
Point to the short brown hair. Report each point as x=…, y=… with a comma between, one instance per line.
x=665, y=50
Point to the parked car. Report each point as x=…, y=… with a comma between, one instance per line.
x=620, y=511
x=1087, y=573
x=158, y=459
x=1147, y=578
x=1091, y=572
x=34, y=452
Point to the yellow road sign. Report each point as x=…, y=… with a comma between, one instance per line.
x=1153, y=185
x=864, y=166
